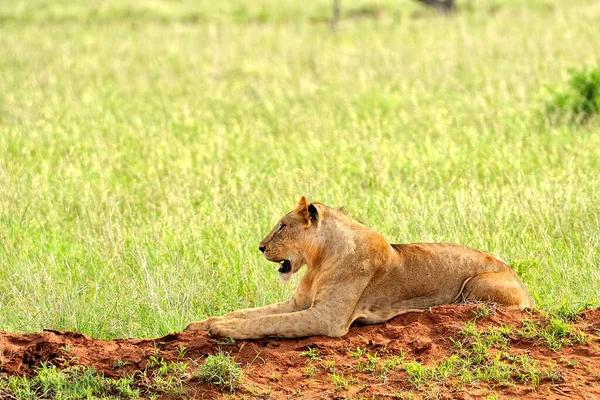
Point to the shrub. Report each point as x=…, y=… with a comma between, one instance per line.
x=221, y=370
x=580, y=100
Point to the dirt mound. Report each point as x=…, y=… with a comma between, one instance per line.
x=448, y=352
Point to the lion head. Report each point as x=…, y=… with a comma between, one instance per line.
x=290, y=239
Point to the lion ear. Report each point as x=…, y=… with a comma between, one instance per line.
x=307, y=211
x=302, y=204
x=313, y=212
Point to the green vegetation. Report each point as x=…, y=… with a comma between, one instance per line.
x=484, y=310
x=482, y=357
x=312, y=353
x=581, y=100
x=73, y=382
x=555, y=332
x=147, y=146
x=159, y=378
x=167, y=377
x=342, y=382
x=220, y=369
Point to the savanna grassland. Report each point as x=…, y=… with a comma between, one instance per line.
x=147, y=146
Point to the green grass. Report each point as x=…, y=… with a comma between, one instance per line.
x=159, y=378
x=220, y=369
x=146, y=148
x=581, y=101
x=482, y=357
x=73, y=382
x=554, y=332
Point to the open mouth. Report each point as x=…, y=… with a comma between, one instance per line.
x=286, y=266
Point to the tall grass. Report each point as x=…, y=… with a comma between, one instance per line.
x=146, y=148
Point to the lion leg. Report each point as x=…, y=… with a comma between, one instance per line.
x=273, y=309
x=502, y=287
x=292, y=325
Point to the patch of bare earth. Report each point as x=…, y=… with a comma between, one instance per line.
x=321, y=367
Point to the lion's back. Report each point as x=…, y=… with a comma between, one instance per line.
x=449, y=254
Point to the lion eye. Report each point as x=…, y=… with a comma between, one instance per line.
x=281, y=226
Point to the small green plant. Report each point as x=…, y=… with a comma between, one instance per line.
x=66, y=348
x=226, y=341
x=476, y=343
x=432, y=392
x=181, y=351
x=569, y=363
x=495, y=371
x=553, y=373
x=357, y=353
x=416, y=371
x=571, y=312
x=156, y=349
x=370, y=365
x=312, y=353
x=469, y=329
x=125, y=386
x=310, y=370
x=341, y=382
x=447, y=368
x=171, y=385
x=527, y=370
x=120, y=363
x=581, y=99
x=329, y=365
x=166, y=377
x=554, y=332
x=484, y=310
x=377, y=366
x=404, y=395
x=220, y=369
x=392, y=362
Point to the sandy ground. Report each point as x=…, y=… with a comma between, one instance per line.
x=276, y=368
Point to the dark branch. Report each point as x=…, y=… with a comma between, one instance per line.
x=443, y=6
x=335, y=17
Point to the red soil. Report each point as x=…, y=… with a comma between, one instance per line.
x=274, y=368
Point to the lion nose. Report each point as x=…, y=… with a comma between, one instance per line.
x=262, y=248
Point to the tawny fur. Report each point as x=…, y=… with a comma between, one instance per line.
x=354, y=274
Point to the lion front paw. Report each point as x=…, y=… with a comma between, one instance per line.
x=225, y=329
x=203, y=325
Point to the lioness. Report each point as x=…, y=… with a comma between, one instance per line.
x=354, y=274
